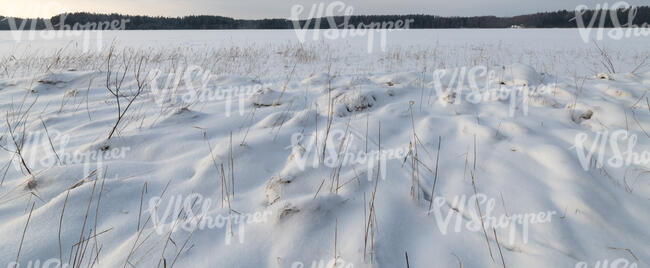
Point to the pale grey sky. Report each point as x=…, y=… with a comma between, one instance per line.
x=282, y=8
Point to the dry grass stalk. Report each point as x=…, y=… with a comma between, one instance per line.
x=478, y=207
x=368, y=119
x=99, y=198
x=318, y=190
x=336, y=233
x=606, y=59
x=336, y=172
x=424, y=71
x=87, y=94
x=499, y=247
x=116, y=86
x=181, y=249
x=232, y=168
x=243, y=142
x=19, y=119
x=639, y=124
x=169, y=236
x=627, y=125
x=6, y=168
x=316, y=133
x=365, y=216
x=286, y=84
x=139, y=234
x=79, y=253
x=460, y=263
x=224, y=183
x=641, y=64
x=415, y=174
x=144, y=189
x=579, y=87
x=628, y=250
x=330, y=112
x=50, y=140
x=370, y=225
x=503, y=203
x=406, y=255
x=24, y=231
x=61, y=224
x=435, y=179
x=225, y=193
x=634, y=105
x=285, y=116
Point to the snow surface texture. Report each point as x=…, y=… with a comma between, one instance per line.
x=256, y=155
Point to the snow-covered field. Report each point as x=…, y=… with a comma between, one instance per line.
x=448, y=148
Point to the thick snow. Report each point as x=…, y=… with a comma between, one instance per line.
x=256, y=107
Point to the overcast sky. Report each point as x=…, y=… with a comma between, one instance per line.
x=282, y=8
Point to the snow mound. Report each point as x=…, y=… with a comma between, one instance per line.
x=265, y=97
x=518, y=75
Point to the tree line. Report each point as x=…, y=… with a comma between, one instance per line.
x=555, y=19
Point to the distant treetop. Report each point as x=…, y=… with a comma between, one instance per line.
x=556, y=19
